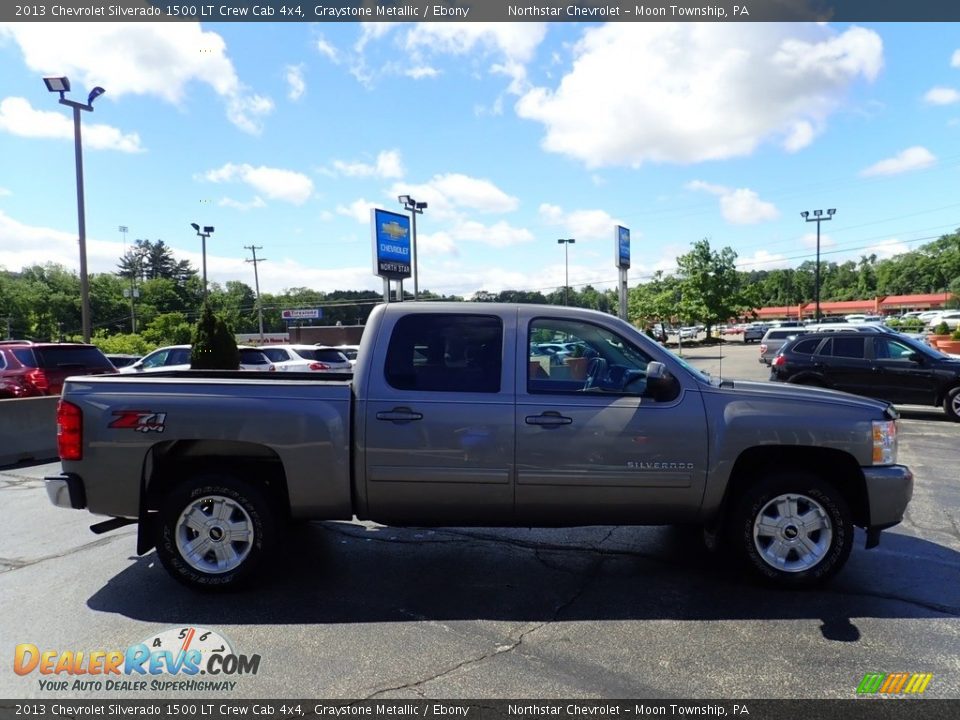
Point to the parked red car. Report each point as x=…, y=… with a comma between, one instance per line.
x=41, y=368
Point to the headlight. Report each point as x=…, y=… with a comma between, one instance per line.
x=884, y=442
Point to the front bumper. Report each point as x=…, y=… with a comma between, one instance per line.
x=66, y=490
x=889, y=489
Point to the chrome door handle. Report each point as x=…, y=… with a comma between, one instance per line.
x=399, y=415
x=548, y=420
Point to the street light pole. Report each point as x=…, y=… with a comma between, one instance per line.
x=566, y=242
x=415, y=208
x=62, y=85
x=207, y=231
x=817, y=218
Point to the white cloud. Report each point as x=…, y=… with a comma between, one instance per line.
x=763, y=260
x=328, y=50
x=738, y=207
x=275, y=183
x=510, y=45
x=297, y=85
x=744, y=207
x=17, y=117
x=158, y=59
x=500, y=234
x=387, y=166
x=809, y=240
x=448, y=194
x=955, y=59
x=257, y=202
x=4, y=192
x=580, y=224
x=422, y=71
x=942, y=96
x=914, y=158
x=359, y=210
x=24, y=245
x=887, y=249
x=702, y=91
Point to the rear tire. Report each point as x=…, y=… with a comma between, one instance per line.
x=951, y=404
x=215, y=532
x=791, y=529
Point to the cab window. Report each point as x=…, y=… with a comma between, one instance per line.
x=590, y=359
x=445, y=353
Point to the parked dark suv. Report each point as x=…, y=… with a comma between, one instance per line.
x=41, y=368
x=888, y=367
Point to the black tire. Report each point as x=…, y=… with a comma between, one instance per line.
x=791, y=555
x=242, y=508
x=951, y=404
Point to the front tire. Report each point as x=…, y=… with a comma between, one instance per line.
x=792, y=529
x=215, y=531
x=951, y=404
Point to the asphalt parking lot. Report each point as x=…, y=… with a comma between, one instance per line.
x=364, y=611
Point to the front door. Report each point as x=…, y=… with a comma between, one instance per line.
x=594, y=447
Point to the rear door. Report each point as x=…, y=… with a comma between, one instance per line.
x=438, y=439
x=845, y=365
x=592, y=446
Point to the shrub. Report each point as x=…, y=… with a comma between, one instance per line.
x=214, y=347
x=955, y=335
x=941, y=329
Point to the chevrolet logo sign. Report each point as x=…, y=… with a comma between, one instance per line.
x=394, y=230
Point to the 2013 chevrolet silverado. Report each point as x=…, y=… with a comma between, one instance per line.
x=454, y=418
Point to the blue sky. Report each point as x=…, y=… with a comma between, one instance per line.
x=516, y=134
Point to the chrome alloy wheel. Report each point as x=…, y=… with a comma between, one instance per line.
x=792, y=533
x=214, y=534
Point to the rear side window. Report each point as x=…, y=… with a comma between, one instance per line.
x=71, y=356
x=253, y=357
x=276, y=354
x=445, y=353
x=330, y=356
x=26, y=357
x=845, y=347
x=806, y=347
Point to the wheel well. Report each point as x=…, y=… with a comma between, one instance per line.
x=833, y=466
x=172, y=463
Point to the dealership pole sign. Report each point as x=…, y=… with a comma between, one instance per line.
x=621, y=256
x=623, y=248
x=391, y=244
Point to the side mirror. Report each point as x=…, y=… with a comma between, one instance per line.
x=656, y=372
x=661, y=385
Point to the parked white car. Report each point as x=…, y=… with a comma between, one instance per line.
x=177, y=357
x=350, y=351
x=307, y=358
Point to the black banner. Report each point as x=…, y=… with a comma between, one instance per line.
x=482, y=11
x=214, y=709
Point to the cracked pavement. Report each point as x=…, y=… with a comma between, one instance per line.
x=358, y=610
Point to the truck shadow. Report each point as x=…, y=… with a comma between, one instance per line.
x=350, y=573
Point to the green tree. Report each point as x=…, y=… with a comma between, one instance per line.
x=214, y=346
x=168, y=329
x=710, y=285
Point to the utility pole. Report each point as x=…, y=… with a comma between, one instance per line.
x=256, y=281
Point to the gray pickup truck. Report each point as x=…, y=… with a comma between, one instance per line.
x=452, y=418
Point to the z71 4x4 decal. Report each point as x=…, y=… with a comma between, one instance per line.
x=140, y=420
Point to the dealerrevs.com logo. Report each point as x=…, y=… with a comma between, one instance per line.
x=177, y=659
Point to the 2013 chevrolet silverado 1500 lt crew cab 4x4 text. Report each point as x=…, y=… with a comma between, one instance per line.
x=453, y=418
